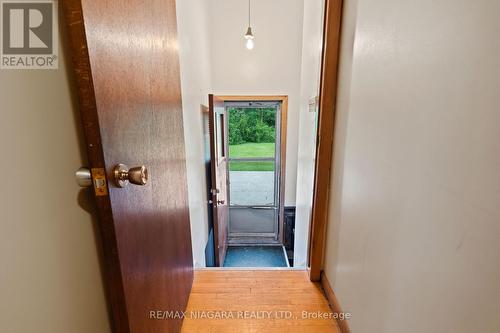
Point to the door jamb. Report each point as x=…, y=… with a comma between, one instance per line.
x=325, y=136
x=284, y=114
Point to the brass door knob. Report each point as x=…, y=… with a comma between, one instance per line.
x=124, y=175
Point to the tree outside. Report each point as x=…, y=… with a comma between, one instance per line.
x=252, y=133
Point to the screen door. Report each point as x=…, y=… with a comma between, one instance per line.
x=254, y=168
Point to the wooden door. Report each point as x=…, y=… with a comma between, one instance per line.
x=219, y=165
x=127, y=70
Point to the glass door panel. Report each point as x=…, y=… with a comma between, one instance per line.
x=251, y=183
x=253, y=171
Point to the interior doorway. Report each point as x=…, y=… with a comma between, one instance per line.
x=295, y=67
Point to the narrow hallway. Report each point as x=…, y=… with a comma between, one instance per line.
x=254, y=301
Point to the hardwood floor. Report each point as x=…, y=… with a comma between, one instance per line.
x=275, y=301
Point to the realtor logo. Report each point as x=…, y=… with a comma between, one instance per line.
x=29, y=35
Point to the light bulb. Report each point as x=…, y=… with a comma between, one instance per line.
x=250, y=44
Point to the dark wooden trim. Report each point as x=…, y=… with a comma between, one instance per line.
x=284, y=118
x=88, y=110
x=334, y=304
x=326, y=126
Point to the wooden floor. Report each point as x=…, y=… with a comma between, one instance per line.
x=274, y=301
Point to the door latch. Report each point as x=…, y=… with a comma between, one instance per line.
x=96, y=176
x=83, y=177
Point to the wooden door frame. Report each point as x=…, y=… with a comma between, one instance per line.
x=283, y=99
x=325, y=138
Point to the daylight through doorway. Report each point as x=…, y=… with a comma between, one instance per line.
x=254, y=171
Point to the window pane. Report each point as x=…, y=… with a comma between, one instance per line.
x=251, y=183
x=252, y=220
x=252, y=132
x=219, y=127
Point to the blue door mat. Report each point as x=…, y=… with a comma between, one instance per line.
x=255, y=256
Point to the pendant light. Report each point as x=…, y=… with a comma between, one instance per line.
x=249, y=35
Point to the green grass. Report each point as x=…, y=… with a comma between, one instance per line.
x=251, y=166
x=252, y=150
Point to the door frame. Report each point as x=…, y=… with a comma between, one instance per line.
x=325, y=136
x=283, y=99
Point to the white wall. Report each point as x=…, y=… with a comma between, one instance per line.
x=312, y=40
x=50, y=279
x=193, y=39
x=271, y=68
x=413, y=242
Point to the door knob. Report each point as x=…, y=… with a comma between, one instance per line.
x=220, y=202
x=83, y=177
x=124, y=175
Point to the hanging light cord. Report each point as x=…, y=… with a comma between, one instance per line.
x=248, y=12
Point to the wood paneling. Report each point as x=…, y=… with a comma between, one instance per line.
x=326, y=126
x=258, y=290
x=126, y=62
